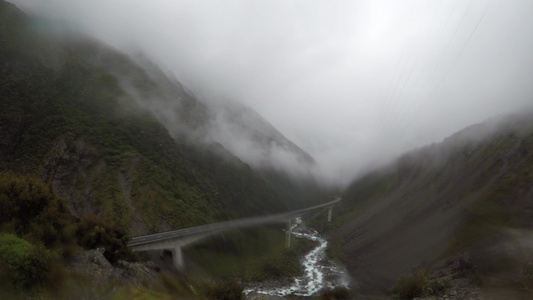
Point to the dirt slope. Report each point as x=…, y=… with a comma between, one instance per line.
x=437, y=201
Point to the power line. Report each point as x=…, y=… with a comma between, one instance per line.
x=399, y=98
x=458, y=55
x=468, y=39
x=431, y=70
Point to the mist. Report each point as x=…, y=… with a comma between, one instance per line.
x=353, y=83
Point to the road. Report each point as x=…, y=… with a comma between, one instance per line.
x=233, y=224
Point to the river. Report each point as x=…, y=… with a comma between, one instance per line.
x=320, y=272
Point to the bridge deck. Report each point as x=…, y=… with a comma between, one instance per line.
x=214, y=227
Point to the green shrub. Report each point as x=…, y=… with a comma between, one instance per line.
x=93, y=232
x=23, y=264
x=409, y=286
x=417, y=285
x=437, y=286
x=22, y=199
x=31, y=208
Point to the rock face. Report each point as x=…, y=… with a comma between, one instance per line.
x=71, y=166
x=95, y=273
x=94, y=266
x=125, y=179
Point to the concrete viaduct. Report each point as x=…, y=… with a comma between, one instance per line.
x=176, y=239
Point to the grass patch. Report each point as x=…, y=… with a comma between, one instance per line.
x=483, y=219
x=256, y=254
x=225, y=290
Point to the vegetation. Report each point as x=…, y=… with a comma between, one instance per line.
x=31, y=208
x=93, y=232
x=66, y=117
x=82, y=158
x=36, y=228
x=23, y=265
x=38, y=232
x=417, y=285
x=256, y=254
x=226, y=290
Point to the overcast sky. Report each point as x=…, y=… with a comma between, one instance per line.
x=350, y=82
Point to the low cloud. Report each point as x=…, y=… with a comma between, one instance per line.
x=353, y=83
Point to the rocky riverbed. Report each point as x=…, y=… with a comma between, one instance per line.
x=320, y=272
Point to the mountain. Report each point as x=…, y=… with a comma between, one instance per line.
x=450, y=213
x=237, y=128
x=253, y=139
x=120, y=138
x=279, y=161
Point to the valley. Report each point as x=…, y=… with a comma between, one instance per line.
x=103, y=152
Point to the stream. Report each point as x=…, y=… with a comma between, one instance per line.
x=319, y=271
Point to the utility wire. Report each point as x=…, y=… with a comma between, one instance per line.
x=399, y=101
x=468, y=40
x=458, y=55
x=433, y=50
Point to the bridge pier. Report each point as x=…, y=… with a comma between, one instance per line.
x=176, y=239
x=288, y=234
x=177, y=258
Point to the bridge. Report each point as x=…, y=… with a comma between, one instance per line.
x=176, y=239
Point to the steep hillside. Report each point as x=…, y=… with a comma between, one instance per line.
x=238, y=129
x=437, y=202
x=278, y=160
x=69, y=120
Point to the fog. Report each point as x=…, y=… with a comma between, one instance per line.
x=353, y=83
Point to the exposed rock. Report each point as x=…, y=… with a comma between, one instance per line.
x=92, y=266
x=70, y=167
x=136, y=273
x=74, y=166
x=125, y=179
